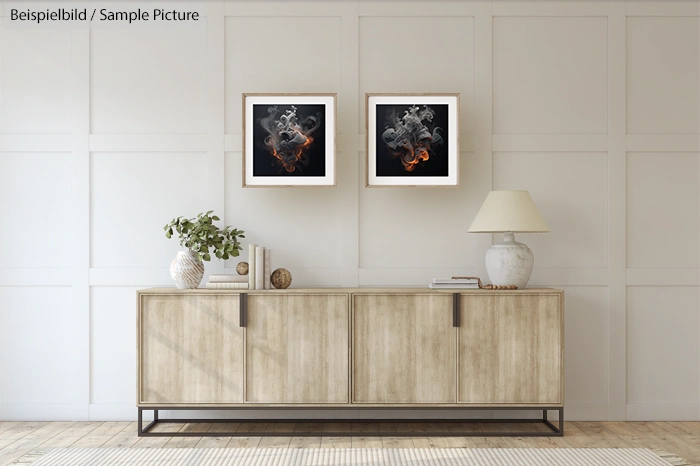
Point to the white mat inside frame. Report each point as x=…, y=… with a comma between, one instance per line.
x=346, y=456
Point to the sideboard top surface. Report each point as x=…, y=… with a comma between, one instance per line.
x=365, y=290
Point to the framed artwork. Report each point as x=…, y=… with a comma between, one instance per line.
x=289, y=140
x=412, y=139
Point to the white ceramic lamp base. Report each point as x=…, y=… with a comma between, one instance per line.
x=509, y=262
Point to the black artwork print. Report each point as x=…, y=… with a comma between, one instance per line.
x=411, y=140
x=289, y=140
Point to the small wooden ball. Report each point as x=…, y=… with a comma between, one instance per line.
x=242, y=268
x=281, y=279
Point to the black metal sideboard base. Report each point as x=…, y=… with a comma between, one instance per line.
x=555, y=431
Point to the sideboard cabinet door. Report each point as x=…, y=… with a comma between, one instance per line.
x=190, y=349
x=403, y=349
x=297, y=348
x=510, y=349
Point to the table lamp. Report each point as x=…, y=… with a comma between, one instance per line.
x=509, y=212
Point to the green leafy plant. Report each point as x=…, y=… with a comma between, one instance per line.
x=200, y=234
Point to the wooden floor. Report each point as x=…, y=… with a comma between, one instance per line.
x=19, y=438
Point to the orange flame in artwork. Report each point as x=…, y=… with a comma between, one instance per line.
x=299, y=155
x=411, y=156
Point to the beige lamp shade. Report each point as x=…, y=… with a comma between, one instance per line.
x=513, y=211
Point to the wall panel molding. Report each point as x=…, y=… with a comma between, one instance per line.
x=662, y=411
x=282, y=8
x=663, y=8
x=36, y=143
x=420, y=9
x=663, y=143
x=663, y=276
x=550, y=143
x=149, y=142
x=10, y=276
x=483, y=122
x=617, y=213
x=348, y=169
x=547, y=8
x=80, y=71
x=216, y=113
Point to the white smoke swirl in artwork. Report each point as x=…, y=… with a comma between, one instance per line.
x=409, y=139
x=289, y=138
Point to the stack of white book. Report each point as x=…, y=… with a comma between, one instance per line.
x=228, y=282
x=259, y=267
x=454, y=283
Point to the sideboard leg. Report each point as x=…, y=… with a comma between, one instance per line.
x=144, y=431
x=139, y=423
x=561, y=421
x=558, y=430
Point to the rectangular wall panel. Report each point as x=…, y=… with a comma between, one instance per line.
x=392, y=61
x=570, y=192
x=112, y=345
x=35, y=208
x=663, y=71
x=586, y=342
x=663, y=201
x=148, y=80
x=279, y=55
x=663, y=348
x=418, y=227
x=38, y=351
x=133, y=195
x=550, y=75
x=286, y=220
x=35, y=80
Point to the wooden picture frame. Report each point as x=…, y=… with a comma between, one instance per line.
x=289, y=140
x=403, y=132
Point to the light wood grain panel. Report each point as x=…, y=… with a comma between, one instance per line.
x=191, y=349
x=403, y=348
x=297, y=348
x=510, y=349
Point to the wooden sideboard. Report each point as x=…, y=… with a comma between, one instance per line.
x=350, y=348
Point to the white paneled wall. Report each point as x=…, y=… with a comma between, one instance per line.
x=593, y=106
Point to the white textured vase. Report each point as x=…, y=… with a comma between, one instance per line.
x=187, y=270
x=509, y=262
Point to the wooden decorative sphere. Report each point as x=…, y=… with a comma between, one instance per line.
x=242, y=268
x=281, y=279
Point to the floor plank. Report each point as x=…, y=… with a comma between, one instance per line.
x=72, y=434
x=277, y=442
x=397, y=442
x=366, y=442
x=336, y=442
x=101, y=435
x=124, y=439
x=243, y=442
x=305, y=441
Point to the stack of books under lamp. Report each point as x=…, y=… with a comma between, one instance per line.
x=454, y=283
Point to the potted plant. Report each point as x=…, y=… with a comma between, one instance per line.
x=200, y=237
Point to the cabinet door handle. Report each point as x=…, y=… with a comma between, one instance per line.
x=243, y=309
x=456, y=314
